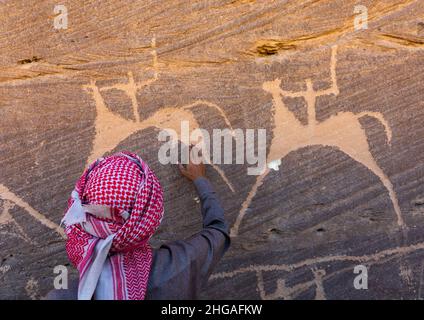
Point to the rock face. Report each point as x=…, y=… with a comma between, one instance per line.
x=343, y=109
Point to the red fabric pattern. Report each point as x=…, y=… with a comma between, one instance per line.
x=118, y=182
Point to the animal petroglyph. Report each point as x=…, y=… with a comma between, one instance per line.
x=342, y=131
x=319, y=275
x=111, y=129
x=5, y=217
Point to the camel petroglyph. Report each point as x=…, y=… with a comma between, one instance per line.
x=342, y=131
x=111, y=129
x=6, y=219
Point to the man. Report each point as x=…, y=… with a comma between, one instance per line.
x=115, y=208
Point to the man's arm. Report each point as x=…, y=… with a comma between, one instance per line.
x=181, y=268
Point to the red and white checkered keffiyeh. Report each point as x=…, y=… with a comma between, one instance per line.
x=115, y=208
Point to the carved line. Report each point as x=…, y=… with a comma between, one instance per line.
x=111, y=129
x=285, y=292
x=8, y=195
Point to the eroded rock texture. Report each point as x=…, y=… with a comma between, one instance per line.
x=343, y=110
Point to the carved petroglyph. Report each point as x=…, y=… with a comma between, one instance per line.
x=288, y=293
x=282, y=291
x=111, y=129
x=6, y=219
x=32, y=288
x=406, y=273
x=10, y=199
x=320, y=275
x=318, y=279
x=342, y=131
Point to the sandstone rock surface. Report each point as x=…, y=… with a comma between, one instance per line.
x=343, y=109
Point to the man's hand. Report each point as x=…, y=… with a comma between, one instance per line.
x=192, y=171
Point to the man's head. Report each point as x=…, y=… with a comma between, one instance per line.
x=116, y=207
x=123, y=194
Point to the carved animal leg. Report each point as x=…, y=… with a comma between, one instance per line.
x=367, y=160
x=212, y=106
x=246, y=203
x=207, y=158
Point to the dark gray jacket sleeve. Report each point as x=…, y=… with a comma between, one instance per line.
x=181, y=268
